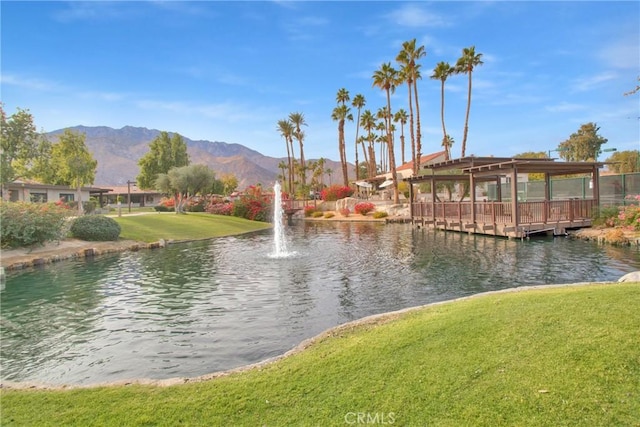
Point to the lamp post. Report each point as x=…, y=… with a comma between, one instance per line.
x=129, y=183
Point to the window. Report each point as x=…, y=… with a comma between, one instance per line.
x=38, y=197
x=66, y=197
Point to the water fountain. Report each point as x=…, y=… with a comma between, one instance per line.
x=279, y=237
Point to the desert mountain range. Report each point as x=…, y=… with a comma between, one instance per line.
x=118, y=151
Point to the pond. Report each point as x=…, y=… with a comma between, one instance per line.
x=201, y=307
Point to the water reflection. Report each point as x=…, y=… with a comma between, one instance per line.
x=196, y=308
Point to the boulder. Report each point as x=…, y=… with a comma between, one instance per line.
x=630, y=277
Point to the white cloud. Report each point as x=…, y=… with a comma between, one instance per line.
x=29, y=83
x=623, y=54
x=588, y=83
x=414, y=16
x=564, y=107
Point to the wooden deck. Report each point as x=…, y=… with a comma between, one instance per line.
x=497, y=218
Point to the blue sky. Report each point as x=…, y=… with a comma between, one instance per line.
x=228, y=71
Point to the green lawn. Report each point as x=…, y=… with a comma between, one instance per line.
x=565, y=356
x=169, y=226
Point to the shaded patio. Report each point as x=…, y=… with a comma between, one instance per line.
x=500, y=217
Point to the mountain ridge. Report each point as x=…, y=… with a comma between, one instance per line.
x=118, y=151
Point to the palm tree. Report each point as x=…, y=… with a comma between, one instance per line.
x=441, y=72
x=297, y=120
x=447, y=142
x=386, y=78
x=410, y=73
x=382, y=138
x=340, y=114
x=465, y=65
x=329, y=172
x=358, y=102
x=342, y=97
x=285, y=127
x=401, y=116
x=368, y=122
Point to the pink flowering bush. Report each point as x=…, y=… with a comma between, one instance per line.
x=220, y=208
x=345, y=212
x=309, y=211
x=625, y=216
x=363, y=208
x=335, y=192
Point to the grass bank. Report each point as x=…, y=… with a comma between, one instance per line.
x=544, y=357
x=155, y=226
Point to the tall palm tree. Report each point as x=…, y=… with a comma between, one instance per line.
x=441, y=72
x=465, y=65
x=382, y=139
x=358, y=102
x=410, y=72
x=297, y=120
x=342, y=97
x=340, y=114
x=386, y=78
x=401, y=116
x=286, y=130
x=368, y=122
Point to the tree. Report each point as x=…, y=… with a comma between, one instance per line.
x=386, y=79
x=184, y=182
x=583, y=145
x=533, y=155
x=73, y=163
x=369, y=124
x=465, y=65
x=634, y=91
x=18, y=146
x=441, y=72
x=229, y=182
x=297, y=120
x=447, y=143
x=358, y=102
x=286, y=129
x=401, y=116
x=624, y=161
x=410, y=72
x=164, y=153
x=340, y=114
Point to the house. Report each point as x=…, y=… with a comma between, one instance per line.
x=133, y=194
x=33, y=191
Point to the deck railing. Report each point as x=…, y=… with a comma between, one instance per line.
x=501, y=212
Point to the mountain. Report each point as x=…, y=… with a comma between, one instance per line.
x=118, y=151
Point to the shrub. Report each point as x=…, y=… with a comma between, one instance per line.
x=380, y=214
x=329, y=215
x=335, y=192
x=317, y=214
x=220, y=208
x=619, y=216
x=25, y=224
x=95, y=228
x=252, y=206
x=163, y=208
x=345, y=212
x=363, y=208
x=309, y=210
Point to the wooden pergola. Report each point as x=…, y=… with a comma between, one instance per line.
x=511, y=218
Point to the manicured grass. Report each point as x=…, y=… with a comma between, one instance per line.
x=169, y=226
x=545, y=357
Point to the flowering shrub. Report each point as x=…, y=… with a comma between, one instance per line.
x=345, y=212
x=335, y=192
x=309, y=211
x=25, y=224
x=220, y=208
x=363, y=208
x=621, y=216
